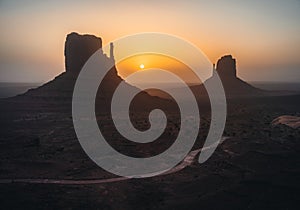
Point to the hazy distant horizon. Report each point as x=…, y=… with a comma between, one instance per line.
x=296, y=80
x=10, y=89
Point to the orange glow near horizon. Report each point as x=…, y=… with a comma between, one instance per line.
x=155, y=61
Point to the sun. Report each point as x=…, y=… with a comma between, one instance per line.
x=142, y=66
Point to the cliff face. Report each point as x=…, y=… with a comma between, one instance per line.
x=226, y=67
x=78, y=49
x=233, y=86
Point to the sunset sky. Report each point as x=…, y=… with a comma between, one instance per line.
x=263, y=35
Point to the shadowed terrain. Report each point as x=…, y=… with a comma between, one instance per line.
x=257, y=167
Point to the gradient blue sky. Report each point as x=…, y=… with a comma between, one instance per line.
x=264, y=36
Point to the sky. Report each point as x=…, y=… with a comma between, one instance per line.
x=263, y=35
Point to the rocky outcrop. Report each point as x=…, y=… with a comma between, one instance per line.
x=233, y=86
x=291, y=121
x=226, y=67
x=78, y=49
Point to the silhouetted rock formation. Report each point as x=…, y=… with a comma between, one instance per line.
x=226, y=67
x=78, y=49
x=233, y=86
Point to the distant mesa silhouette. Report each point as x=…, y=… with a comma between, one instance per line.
x=226, y=67
x=233, y=86
x=79, y=48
